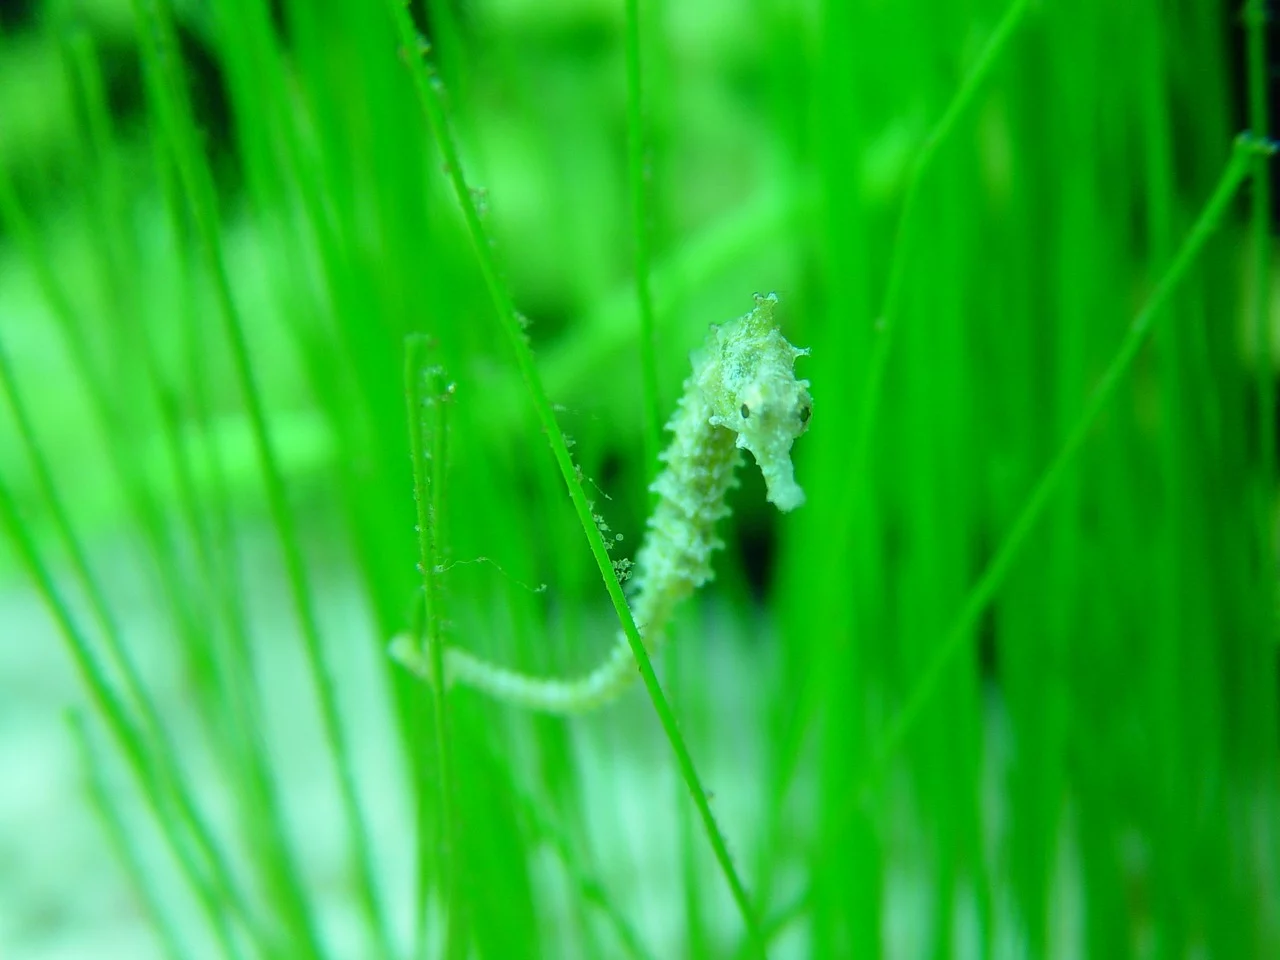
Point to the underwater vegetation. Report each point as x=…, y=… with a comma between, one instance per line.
x=348, y=345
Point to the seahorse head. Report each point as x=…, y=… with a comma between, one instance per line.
x=748, y=377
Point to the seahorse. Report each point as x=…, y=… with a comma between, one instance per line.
x=742, y=395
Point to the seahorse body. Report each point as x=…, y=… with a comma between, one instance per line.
x=742, y=394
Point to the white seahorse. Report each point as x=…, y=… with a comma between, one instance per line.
x=742, y=394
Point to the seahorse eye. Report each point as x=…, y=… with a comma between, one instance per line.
x=804, y=414
x=746, y=411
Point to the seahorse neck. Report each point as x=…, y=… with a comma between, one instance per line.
x=675, y=558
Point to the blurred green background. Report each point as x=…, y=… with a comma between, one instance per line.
x=1005, y=686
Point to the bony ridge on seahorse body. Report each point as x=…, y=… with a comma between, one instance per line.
x=742, y=395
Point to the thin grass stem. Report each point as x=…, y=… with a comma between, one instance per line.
x=1255, y=16
x=211, y=895
x=165, y=86
x=958, y=637
x=125, y=842
x=638, y=175
x=429, y=99
x=909, y=221
x=426, y=399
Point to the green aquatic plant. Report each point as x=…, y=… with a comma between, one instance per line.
x=1007, y=678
